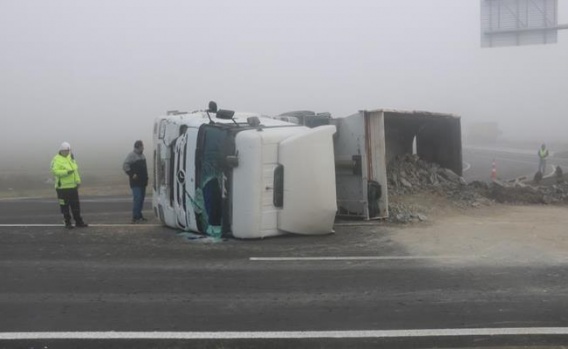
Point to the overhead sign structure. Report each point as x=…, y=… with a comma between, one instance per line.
x=519, y=22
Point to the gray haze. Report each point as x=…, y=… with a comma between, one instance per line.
x=97, y=72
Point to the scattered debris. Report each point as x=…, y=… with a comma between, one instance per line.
x=199, y=238
x=402, y=213
x=409, y=175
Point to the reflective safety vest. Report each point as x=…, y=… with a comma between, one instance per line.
x=543, y=153
x=60, y=167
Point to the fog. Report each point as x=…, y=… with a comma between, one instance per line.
x=96, y=73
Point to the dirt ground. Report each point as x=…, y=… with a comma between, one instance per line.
x=487, y=234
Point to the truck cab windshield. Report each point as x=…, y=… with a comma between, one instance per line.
x=213, y=180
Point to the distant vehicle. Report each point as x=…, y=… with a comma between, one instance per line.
x=222, y=173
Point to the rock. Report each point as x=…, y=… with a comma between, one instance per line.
x=519, y=184
x=449, y=174
x=394, y=179
x=434, y=179
x=405, y=183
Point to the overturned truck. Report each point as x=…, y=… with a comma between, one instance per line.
x=221, y=173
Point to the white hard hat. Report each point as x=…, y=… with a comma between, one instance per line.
x=65, y=146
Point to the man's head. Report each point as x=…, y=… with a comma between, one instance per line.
x=543, y=146
x=64, y=149
x=139, y=146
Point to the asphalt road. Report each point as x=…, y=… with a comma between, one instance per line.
x=116, y=285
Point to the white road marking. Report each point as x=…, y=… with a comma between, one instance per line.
x=521, y=331
x=20, y=198
x=352, y=258
x=83, y=199
x=499, y=159
x=552, y=173
x=467, y=166
x=503, y=150
x=90, y=225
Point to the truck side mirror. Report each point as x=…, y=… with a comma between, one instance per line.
x=253, y=121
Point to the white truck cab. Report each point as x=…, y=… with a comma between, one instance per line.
x=244, y=175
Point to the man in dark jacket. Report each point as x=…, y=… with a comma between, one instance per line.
x=137, y=171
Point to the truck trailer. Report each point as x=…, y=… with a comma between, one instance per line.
x=221, y=173
x=367, y=142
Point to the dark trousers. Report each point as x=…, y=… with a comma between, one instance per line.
x=138, y=195
x=69, y=199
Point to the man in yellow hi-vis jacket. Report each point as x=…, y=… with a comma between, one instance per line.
x=542, y=155
x=67, y=181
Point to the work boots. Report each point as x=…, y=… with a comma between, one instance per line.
x=139, y=220
x=81, y=224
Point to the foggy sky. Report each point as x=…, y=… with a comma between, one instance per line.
x=96, y=73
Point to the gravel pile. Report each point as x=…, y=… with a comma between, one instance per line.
x=409, y=175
